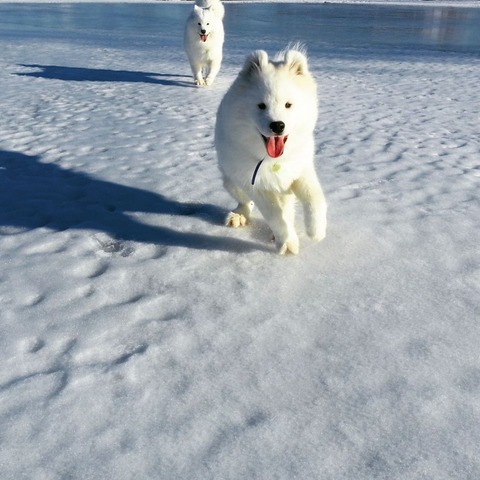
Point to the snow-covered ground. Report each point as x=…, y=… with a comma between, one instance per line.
x=141, y=339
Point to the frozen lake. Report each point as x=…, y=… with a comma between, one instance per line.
x=376, y=27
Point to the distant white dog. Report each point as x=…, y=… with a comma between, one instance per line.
x=265, y=146
x=216, y=6
x=203, y=41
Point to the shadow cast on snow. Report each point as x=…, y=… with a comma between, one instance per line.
x=35, y=194
x=77, y=74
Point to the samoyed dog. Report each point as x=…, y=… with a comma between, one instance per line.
x=216, y=6
x=265, y=146
x=203, y=41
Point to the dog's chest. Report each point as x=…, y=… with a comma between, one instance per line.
x=273, y=175
x=207, y=50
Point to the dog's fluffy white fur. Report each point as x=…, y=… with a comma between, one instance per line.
x=203, y=42
x=216, y=6
x=265, y=146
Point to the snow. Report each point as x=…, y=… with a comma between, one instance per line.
x=140, y=338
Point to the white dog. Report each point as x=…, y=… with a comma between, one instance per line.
x=265, y=146
x=203, y=41
x=216, y=6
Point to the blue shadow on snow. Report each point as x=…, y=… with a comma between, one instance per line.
x=35, y=194
x=78, y=74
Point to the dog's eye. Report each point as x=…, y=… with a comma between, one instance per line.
x=288, y=105
x=262, y=106
x=199, y=23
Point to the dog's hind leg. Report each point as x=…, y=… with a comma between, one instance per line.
x=241, y=215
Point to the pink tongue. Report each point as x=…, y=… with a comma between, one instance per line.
x=275, y=146
x=204, y=38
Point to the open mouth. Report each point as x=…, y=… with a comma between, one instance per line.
x=203, y=37
x=275, y=145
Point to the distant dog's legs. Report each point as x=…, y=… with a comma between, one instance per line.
x=214, y=68
x=241, y=215
x=197, y=73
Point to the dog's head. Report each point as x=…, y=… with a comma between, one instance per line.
x=204, y=21
x=282, y=95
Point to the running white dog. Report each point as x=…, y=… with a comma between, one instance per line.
x=203, y=41
x=216, y=6
x=265, y=146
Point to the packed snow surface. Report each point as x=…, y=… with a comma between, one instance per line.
x=142, y=339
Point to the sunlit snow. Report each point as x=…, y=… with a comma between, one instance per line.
x=142, y=339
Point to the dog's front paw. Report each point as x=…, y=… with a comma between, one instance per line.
x=209, y=81
x=235, y=220
x=291, y=245
x=317, y=235
x=200, y=82
x=316, y=230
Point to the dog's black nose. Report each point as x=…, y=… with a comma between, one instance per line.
x=277, y=127
x=203, y=32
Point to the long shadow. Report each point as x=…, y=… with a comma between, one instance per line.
x=35, y=194
x=78, y=74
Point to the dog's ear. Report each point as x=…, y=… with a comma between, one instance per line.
x=296, y=62
x=197, y=9
x=255, y=62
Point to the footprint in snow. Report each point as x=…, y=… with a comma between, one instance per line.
x=110, y=245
